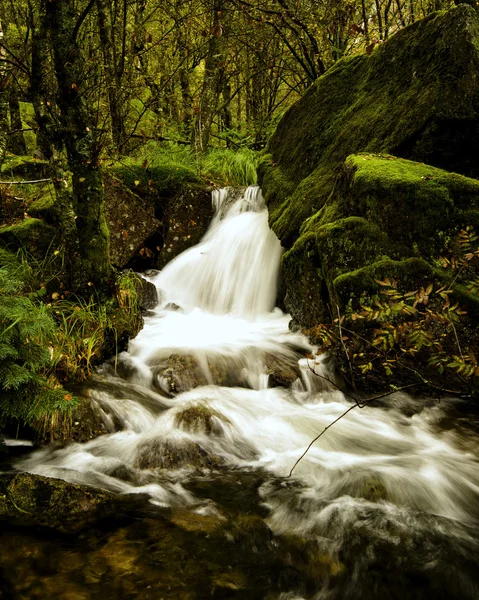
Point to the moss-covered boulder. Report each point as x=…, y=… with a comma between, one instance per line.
x=182, y=453
x=386, y=217
x=24, y=167
x=200, y=418
x=188, y=216
x=32, y=234
x=49, y=501
x=416, y=96
x=180, y=201
x=130, y=220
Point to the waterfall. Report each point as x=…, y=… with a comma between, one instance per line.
x=215, y=382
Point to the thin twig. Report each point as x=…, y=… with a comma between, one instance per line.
x=365, y=402
x=24, y=182
x=345, y=348
x=313, y=370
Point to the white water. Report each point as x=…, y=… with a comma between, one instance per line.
x=216, y=328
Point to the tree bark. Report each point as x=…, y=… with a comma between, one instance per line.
x=212, y=82
x=113, y=74
x=92, y=265
x=5, y=80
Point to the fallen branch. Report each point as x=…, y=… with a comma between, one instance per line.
x=24, y=182
x=364, y=403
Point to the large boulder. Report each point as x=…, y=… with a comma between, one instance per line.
x=386, y=217
x=416, y=96
x=131, y=221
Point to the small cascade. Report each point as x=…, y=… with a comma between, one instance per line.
x=216, y=383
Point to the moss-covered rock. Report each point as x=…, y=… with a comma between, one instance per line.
x=199, y=418
x=130, y=220
x=180, y=201
x=49, y=501
x=33, y=234
x=412, y=207
x=386, y=217
x=416, y=96
x=183, y=453
x=43, y=207
x=24, y=167
x=188, y=216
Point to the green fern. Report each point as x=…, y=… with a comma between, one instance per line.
x=27, y=391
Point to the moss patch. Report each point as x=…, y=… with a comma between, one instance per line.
x=32, y=234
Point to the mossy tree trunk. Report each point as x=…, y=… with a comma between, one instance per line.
x=40, y=95
x=16, y=143
x=92, y=265
x=5, y=79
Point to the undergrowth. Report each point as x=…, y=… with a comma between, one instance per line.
x=421, y=337
x=50, y=338
x=223, y=165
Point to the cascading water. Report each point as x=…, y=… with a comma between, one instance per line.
x=383, y=489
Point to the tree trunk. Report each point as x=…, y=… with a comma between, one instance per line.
x=4, y=85
x=38, y=88
x=16, y=142
x=92, y=265
x=112, y=79
x=212, y=82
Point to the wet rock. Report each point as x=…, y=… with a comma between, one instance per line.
x=165, y=454
x=147, y=293
x=282, y=372
x=191, y=521
x=83, y=424
x=49, y=501
x=201, y=419
x=178, y=373
x=374, y=490
x=187, y=218
x=173, y=306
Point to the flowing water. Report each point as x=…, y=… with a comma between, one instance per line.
x=389, y=493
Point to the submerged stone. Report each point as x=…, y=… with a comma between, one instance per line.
x=49, y=501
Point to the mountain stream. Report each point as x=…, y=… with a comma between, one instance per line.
x=216, y=393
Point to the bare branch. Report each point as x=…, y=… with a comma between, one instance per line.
x=364, y=403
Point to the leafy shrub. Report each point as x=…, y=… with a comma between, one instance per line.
x=423, y=336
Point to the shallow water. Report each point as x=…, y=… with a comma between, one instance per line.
x=387, y=494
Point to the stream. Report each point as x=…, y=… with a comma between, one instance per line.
x=212, y=405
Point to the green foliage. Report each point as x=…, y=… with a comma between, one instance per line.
x=174, y=164
x=28, y=390
x=49, y=337
x=231, y=167
x=419, y=335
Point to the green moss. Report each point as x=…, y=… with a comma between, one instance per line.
x=417, y=206
x=164, y=181
x=31, y=234
x=415, y=96
x=306, y=297
x=351, y=287
x=44, y=207
x=24, y=166
x=350, y=243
